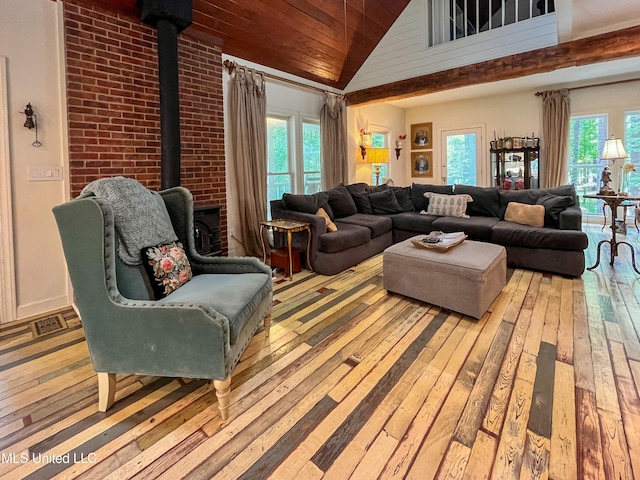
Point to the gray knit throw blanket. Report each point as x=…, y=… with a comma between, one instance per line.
x=140, y=215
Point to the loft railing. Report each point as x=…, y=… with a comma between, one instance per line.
x=454, y=19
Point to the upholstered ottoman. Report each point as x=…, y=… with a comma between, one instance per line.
x=465, y=279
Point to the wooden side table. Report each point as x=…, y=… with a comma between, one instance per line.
x=289, y=227
x=614, y=201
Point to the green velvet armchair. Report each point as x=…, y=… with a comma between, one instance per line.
x=198, y=331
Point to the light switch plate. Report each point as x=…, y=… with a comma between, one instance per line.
x=44, y=174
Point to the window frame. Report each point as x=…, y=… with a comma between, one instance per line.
x=295, y=148
x=589, y=206
x=483, y=173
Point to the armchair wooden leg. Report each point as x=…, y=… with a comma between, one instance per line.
x=106, y=390
x=267, y=324
x=223, y=388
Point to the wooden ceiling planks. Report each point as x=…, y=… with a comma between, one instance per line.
x=325, y=41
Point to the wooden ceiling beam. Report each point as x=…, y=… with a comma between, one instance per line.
x=600, y=48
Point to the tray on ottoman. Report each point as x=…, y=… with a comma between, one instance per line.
x=465, y=279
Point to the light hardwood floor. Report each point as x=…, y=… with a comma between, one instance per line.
x=357, y=383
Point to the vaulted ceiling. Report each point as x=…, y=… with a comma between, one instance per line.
x=325, y=41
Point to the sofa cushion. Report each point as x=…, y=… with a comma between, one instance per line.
x=525, y=214
x=359, y=187
x=341, y=202
x=563, y=190
x=378, y=224
x=347, y=236
x=379, y=188
x=486, y=201
x=384, y=202
x=413, y=222
x=513, y=234
x=531, y=196
x=237, y=297
x=403, y=195
x=363, y=204
x=477, y=228
x=553, y=206
x=307, y=203
x=420, y=202
x=447, y=205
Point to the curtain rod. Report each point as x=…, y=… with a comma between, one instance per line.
x=231, y=66
x=597, y=85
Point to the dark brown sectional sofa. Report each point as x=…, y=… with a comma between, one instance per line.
x=369, y=219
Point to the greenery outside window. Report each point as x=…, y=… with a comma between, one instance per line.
x=587, y=134
x=632, y=145
x=293, y=156
x=279, y=169
x=312, y=180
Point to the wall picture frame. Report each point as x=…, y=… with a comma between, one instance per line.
x=422, y=164
x=421, y=136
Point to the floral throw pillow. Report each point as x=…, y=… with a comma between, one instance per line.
x=168, y=266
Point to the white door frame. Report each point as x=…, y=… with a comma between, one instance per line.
x=7, y=276
x=482, y=168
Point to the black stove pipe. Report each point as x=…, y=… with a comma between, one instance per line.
x=169, y=17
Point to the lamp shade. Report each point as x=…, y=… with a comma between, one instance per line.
x=377, y=155
x=613, y=149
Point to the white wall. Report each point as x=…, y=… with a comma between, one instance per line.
x=520, y=114
x=403, y=52
x=379, y=117
x=516, y=114
x=31, y=40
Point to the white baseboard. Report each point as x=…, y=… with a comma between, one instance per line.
x=41, y=307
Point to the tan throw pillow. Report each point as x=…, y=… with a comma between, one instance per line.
x=331, y=227
x=525, y=214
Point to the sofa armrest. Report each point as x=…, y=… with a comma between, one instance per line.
x=571, y=218
x=317, y=224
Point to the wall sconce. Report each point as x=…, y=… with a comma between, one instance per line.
x=32, y=121
x=377, y=156
x=400, y=144
x=366, y=141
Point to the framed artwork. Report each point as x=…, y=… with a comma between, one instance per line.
x=421, y=136
x=422, y=164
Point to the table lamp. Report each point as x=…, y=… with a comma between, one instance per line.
x=612, y=151
x=377, y=156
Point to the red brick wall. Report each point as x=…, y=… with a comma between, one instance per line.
x=114, y=112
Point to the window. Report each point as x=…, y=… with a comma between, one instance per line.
x=586, y=138
x=293, y=159
x=462, y=156
x=311, y=157
x=279, y=169
x=632, y=145
x=379, y=140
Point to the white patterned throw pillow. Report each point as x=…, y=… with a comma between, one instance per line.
x=448, y=205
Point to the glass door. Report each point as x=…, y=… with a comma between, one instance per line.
x=462, y=157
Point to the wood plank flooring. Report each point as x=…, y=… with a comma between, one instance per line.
x=356, y=383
